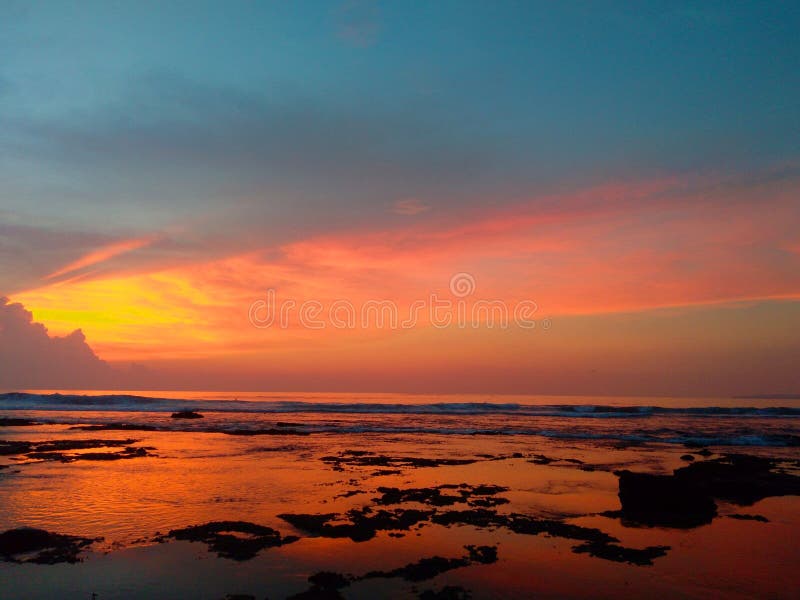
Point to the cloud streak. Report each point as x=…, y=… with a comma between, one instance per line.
x=100, y=255
x=409, y=207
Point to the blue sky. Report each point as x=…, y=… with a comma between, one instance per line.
x=520, y=95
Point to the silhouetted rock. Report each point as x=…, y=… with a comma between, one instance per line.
x=27, y=544
x=361, y=525
x=448, y=592
x=484, y=555
x=115, y=427
x=237, y=540
x=13, y=422
x=686, y=498
x=329, y=580
x=741, y=479
x=325, y=585
x=480, y=495
x=58, y=450
x=186, y=414
x=664, y=500
x=742, y=517
x=616, y=553
x=364, y=458
x=316, y=593
x=427, y=568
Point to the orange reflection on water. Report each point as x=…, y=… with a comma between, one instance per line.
x=201, y=477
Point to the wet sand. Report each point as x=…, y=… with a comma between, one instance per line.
x=170, y=514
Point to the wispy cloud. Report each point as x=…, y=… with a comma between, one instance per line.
x=100, y=255
x=409, y=207
x=358, y=22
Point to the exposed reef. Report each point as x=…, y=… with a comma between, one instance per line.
x=236, y=540
x=687, y=497
x=15, y=422
x=65, y=450
x=362, y=524
x=27, y=544
x=186, y=414
x=480, y=495
x=363, y=458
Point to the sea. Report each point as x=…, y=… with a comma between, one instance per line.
x=747, y=422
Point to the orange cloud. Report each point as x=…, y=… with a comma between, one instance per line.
x=615, y=248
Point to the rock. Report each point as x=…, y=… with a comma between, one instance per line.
x=41, y=546
x=741, y=479
x=687, y=497
x=58, y=450
x=236, y=540
x=479, y=495
x=664, y=500
x=427, y=568
x=325, y=585
x=329, y=580
x=616, y=553
x=424, y=568
x=363, y=523
x=742, y=517
x=484, y=555
x=115, y=427
x=13, y=422
x=316, y=593
x=363, y=458
x=448, y=592
x=186, y=414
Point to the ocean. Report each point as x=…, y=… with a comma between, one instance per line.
x=768, y=422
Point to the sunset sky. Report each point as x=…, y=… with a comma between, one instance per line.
x=632, y=172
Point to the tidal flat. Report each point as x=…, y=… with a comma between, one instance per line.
x=204, y=514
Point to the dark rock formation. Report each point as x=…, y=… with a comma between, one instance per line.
x=448, y=592
x=741, y=517
x=616, y=553
x=186, y=414
x=59, y=450
x=687, y=497
x=480, y=495
x=236, y=540
x=27, y=544
x=14, y=422
x=664, y=500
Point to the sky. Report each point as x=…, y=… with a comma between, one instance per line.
x=627, y=174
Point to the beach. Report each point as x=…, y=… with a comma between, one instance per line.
x=283, y=496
